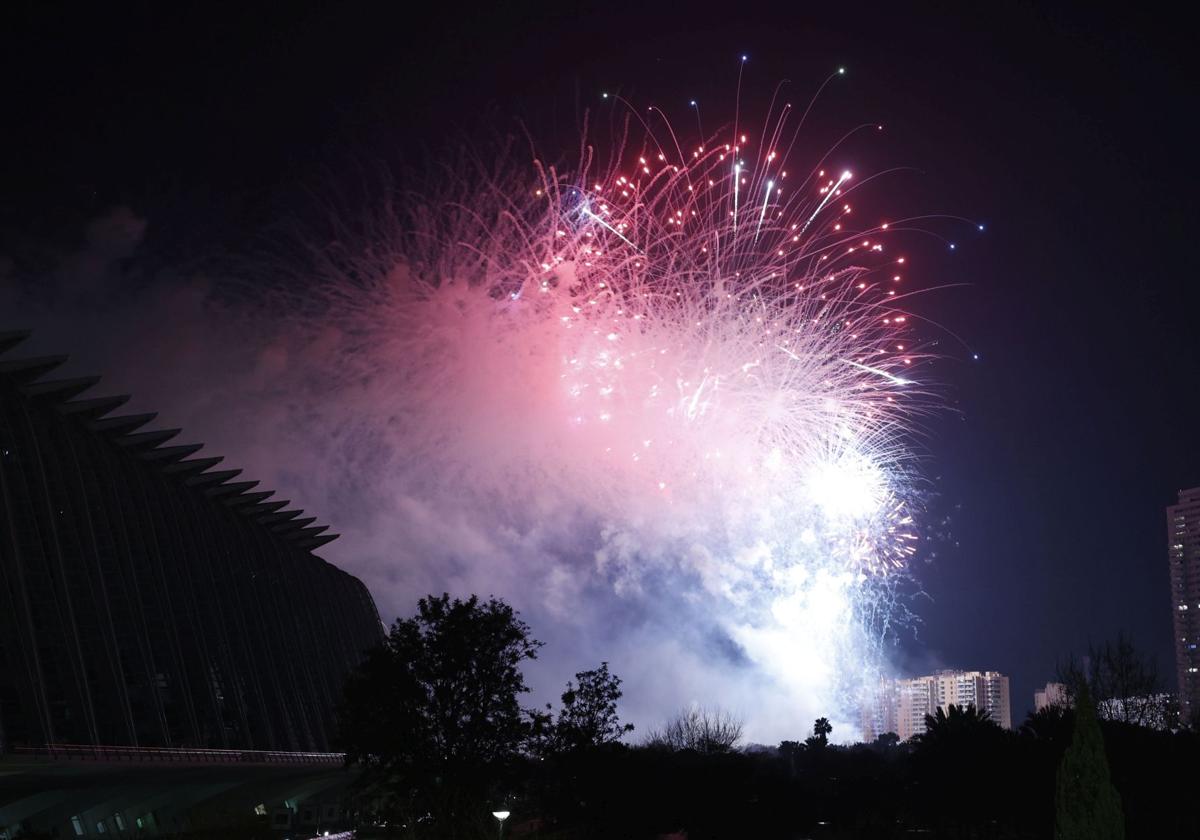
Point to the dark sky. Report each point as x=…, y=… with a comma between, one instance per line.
x=1070, y=132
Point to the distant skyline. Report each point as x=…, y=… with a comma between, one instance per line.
x=1067, y=131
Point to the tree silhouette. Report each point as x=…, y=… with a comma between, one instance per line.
x=433, y=715
x=820, y=737
x=1051, y=724
x=886, y=741
x=576, y=751
x=954, y=722
x=1086, y=804
x=589, y=712
x=1123, y=683
x=959, y=756
x=701, y=730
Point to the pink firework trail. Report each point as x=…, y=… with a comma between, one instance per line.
x=693, y=358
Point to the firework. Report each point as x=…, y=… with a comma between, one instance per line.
x=690, y=356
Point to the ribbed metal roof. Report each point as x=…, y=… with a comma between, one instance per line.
x=93, y=413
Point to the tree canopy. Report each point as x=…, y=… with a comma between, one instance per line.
x=589, y=712
x=434, y=718
x=700, y=730
x=822, y=729
x=434, y=715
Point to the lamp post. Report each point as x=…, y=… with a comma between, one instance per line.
x=500, y=816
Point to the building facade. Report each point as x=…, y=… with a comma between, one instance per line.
x=916, y=698
x=879, y=713
x=985, y=690
x=1183, y=552
x=1054, y=694
x=913, y=698
x=148, y=598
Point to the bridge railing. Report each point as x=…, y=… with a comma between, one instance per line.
x=191, y=755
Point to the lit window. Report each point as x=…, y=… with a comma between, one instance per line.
x=77, y=824
x=101, y=827
x=119, y=819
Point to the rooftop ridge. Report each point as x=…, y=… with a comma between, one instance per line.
x=94, y=415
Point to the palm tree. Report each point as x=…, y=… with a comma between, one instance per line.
x=820, y=737
x=957, y=761
x=1051, y=724
x=954, y=723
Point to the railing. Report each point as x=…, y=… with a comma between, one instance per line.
x=90, y=752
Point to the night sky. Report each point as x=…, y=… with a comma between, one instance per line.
x=1070, y=133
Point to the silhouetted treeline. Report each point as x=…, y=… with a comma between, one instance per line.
x=434, y=720
x=971, y=782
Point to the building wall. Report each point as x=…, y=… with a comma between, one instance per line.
x=880, y=712
x=1054, y=694
x=146, y=602
x=1183, y=552
x=916, y=697
x=985, y=690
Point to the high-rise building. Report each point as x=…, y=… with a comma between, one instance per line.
x=987, y=691
x=913, y=698
x=148, y=599
x=878, y=714
x=1183, y=552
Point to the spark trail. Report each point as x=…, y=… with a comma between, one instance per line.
x=716, y=412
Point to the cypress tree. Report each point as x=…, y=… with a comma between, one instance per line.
x=1087, y=806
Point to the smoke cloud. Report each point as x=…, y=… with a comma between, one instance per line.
x=629, y=488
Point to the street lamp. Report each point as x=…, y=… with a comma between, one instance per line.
x=500, y=816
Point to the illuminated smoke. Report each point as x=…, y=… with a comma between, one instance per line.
x=661, y=401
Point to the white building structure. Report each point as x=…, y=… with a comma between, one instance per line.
x=906, y=702
x=1054, y=694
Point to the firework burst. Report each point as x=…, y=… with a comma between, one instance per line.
x=692, y=348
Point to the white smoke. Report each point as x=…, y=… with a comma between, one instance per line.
x=660, y=465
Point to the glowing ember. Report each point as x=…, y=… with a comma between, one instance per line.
x=692, y=354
